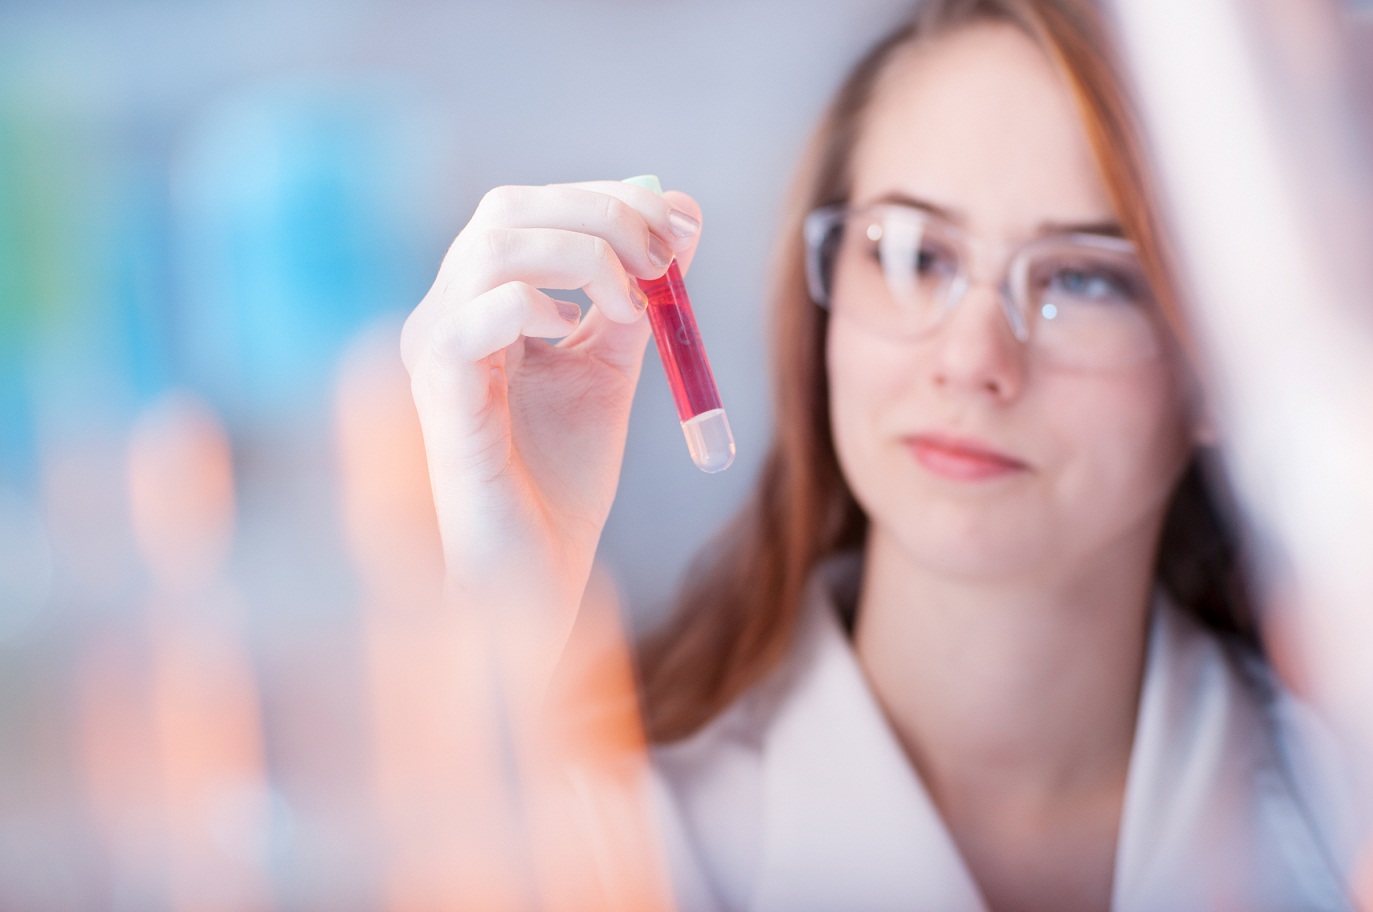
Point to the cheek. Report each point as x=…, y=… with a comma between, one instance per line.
x=866, y=375
x=1109, y=447
x=1124, y=443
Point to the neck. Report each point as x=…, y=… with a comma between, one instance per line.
x=1013, y=693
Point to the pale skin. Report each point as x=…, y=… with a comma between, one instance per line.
x=525, y=438
x=1001, y=624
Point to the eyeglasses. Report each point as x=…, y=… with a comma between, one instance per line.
x=1079, y=300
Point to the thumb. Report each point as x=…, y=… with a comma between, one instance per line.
x=618, y=344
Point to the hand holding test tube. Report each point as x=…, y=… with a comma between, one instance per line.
x=524, y=440
x=525, y=437
x=708, y=436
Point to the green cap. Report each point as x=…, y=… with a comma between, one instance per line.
x=647, y=181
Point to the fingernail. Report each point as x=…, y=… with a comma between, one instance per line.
x=682, y=225
x=569, y=311
x=637, y=296
x=659, y=253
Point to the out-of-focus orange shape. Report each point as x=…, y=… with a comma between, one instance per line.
x=496, y=789
x=388, y=509
x=123, y=784
x=583, y=759
x=448, y=821
x=196, y=693
x=181, y=492
x=1363, y=880
x=172, y=758
x=447, y=824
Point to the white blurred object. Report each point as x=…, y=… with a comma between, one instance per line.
x=1260, y=138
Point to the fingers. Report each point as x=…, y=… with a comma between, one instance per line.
x=619, y=344
x=495, y=320
x=553, y=258
x=676, y=224
x=597, y=236
x=645, y=230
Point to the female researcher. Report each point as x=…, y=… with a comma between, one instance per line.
x=975, y=643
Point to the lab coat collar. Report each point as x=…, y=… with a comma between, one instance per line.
x=849, y=825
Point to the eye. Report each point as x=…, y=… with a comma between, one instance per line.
x=929, y=260
x=912, y=252
x=1090, y=284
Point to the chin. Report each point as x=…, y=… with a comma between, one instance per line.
x=972, y=548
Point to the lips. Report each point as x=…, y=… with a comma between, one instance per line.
x=962, y=459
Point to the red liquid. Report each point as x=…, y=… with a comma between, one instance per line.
x=679, y=344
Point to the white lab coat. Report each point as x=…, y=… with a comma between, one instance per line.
x=799, y=797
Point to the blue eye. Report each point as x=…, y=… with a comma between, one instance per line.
x=1090, y=285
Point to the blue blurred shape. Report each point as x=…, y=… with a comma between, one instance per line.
x=294, y=213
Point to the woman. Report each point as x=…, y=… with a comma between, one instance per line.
x=976, y=642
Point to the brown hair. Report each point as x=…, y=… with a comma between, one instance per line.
x=734, y=623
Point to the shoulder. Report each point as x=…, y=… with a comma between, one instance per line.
x=799, y=796
x=1235, y=784
x=1311, y=767
x=710, y=788
x=708, y=791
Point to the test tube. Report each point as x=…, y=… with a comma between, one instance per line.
x=708, y=436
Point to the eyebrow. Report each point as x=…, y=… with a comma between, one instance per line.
x=1105, y=228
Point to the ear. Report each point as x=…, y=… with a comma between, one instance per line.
x=1205, y=430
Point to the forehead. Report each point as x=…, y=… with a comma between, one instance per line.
x=981, y=122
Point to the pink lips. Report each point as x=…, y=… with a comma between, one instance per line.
x=961, y=459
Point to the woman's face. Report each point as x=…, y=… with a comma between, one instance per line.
x=980, y=123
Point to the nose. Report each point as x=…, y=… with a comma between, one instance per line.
x=975, y=349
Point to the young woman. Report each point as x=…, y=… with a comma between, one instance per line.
x=978, y=641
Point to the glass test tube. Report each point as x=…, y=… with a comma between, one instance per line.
x=708, y=437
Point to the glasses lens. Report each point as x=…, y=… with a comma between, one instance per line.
x=1078, y=301
x=1089, y=306
x=824, y=231
x=892, y=269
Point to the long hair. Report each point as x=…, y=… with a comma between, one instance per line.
x=734, y=622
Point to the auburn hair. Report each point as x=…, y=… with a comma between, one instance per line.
x=734, y=622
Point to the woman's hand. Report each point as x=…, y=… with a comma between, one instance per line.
x=524, y=437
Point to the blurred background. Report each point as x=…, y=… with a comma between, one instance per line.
x=221, y=197
x=213, y=218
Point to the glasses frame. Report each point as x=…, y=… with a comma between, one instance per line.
x=1013, y=291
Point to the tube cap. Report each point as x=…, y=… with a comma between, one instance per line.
x=647, y=181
